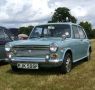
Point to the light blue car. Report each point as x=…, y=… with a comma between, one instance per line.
x=50, y=45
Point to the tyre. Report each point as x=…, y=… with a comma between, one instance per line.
x=67, y=64
x=89, y=56
x=14, y=68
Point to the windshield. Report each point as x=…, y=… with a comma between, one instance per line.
x=56, y=30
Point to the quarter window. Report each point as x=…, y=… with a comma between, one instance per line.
x=81, y=33
x=75, y=32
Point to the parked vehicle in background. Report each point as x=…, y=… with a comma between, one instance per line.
x=50, y=45
x=4, y=38
x=14, y=33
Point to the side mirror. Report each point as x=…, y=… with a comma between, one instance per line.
x=64, y=36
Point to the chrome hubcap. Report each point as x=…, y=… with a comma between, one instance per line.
x=68, y=64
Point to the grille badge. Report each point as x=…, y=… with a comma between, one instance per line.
x=29, y=51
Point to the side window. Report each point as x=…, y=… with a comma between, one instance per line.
x=81, y=33
x=2, y=35
x=7, y=37
x=75, y=32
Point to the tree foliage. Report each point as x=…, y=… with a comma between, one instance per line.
x=88, y=28
x=61, y=14
x=25, y=30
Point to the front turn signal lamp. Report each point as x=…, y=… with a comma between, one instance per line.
x=54, y=56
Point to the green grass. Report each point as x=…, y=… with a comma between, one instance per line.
x=82, y=77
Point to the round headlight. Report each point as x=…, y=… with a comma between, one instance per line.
x=53, y=47
x=7, y=47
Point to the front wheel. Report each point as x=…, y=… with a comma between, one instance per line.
x=67, y=63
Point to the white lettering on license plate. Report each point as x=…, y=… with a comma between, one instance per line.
x=28, y=65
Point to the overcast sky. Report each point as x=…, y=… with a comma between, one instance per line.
x=17, y=13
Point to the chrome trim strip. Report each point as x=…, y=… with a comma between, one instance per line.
x=1, y=59
x=4, y=59
x=79, y=59
x=27, y=59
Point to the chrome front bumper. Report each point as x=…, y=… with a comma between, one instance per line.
x=41, y=61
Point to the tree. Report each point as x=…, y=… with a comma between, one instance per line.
x=61, y=14
x=25, y=30
x=93, y=32
x=88, y=28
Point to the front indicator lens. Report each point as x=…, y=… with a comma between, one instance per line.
x=9, y=54
x=54, y=56
x=47, y=57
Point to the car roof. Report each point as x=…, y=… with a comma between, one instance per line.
x=59, y=23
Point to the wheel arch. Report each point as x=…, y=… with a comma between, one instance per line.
x=68, y=51
x=90, y=49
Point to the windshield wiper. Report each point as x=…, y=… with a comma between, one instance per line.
x=34, y=37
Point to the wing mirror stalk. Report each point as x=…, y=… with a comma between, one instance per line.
x=64, y=37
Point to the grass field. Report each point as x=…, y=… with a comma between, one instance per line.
x=82, y=77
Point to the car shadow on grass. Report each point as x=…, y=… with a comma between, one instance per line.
x=43, y=71
x=78, y=63
x=3, y=63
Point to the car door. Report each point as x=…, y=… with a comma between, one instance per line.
x=84, y=41
x=76, y=43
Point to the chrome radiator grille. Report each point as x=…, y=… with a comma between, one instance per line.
x=30, y=51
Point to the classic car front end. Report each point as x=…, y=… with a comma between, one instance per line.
x=35, y=56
